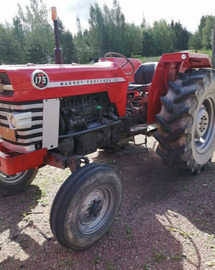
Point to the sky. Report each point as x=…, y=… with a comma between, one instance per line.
x=187, y=12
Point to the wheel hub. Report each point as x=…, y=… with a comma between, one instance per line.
x=202, y=121
x=94, y=209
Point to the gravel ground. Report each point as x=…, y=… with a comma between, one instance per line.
x=166, y=221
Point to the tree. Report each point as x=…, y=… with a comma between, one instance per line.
x=133, y=39
x=18, y=34
x=82, y=46
x=195, y=41
x=180, y=36
x=98, y=30
x=38, y=32
x=67, y=44
x=108, y=30
x=117, y=29
x=162, y=38
x=207, y=33
x=148, y=42
x=8, y=45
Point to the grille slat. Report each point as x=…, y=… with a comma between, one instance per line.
x=27, y=137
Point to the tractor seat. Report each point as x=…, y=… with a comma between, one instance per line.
x=143, y=77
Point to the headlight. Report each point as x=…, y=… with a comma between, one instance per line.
x=20, y=120
x=12, y=122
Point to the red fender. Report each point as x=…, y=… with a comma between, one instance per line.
x=168, y=67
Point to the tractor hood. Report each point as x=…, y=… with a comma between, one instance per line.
x=37, y=82
x=32, y=82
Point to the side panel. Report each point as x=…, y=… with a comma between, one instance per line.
x=51, y=115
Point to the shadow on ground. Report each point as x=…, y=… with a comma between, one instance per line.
x=165, y=221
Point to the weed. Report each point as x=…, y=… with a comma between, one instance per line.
x=211, y=236
x=97, y=259
x=194, y=233
x=186, y=187
x=128, y=231
x=172, y=229
x=67, y=262
x=108, y=265
x=111, y=161
x=25, y=215
x=145, y=266
x=159, y=256
x=177, y=257
x=184, y=234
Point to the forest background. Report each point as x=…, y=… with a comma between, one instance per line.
x=30, y=36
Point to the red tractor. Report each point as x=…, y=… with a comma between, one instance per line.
x=57, y=114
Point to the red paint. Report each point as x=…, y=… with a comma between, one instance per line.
x=21, y=80
x=12, y=163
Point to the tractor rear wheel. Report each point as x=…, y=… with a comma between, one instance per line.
x=85, y=206
x=186, y=122
x=12, y=184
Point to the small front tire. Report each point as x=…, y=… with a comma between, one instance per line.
x=85, y=206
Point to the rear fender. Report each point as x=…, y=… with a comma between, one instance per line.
x=168, y=68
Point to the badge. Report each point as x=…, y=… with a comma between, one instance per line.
x=39, y=79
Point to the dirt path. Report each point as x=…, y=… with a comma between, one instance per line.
x=166, y=221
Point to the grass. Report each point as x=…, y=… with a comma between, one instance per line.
x=208, y=52
x=128, y=231
x=148, y=59
x=67, y=262
x=97, y=259
x=32, y=194
x=157, y=58
x=145, y=267
x=177, y=257
x=159, y=256
x=108, y=266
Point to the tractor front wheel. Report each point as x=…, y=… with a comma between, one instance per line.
x=85, y=206
x=12, y=184
x=186, y=123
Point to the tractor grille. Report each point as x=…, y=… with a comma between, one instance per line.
x=22, y=140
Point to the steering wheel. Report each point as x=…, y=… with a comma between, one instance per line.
x=123, y=56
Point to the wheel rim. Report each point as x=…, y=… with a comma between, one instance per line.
x=205, y=125
x=12, y=179
x=95, y=210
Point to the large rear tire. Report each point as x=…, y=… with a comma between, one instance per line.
x=186, y=123
x=12, y=184
x=85, y=206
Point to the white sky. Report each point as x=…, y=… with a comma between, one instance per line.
x=188, y=12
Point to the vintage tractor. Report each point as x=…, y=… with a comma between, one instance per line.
x=57, y=114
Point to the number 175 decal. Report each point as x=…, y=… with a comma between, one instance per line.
x=39, y=79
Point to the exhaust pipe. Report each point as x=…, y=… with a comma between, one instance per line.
x=58, y=52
